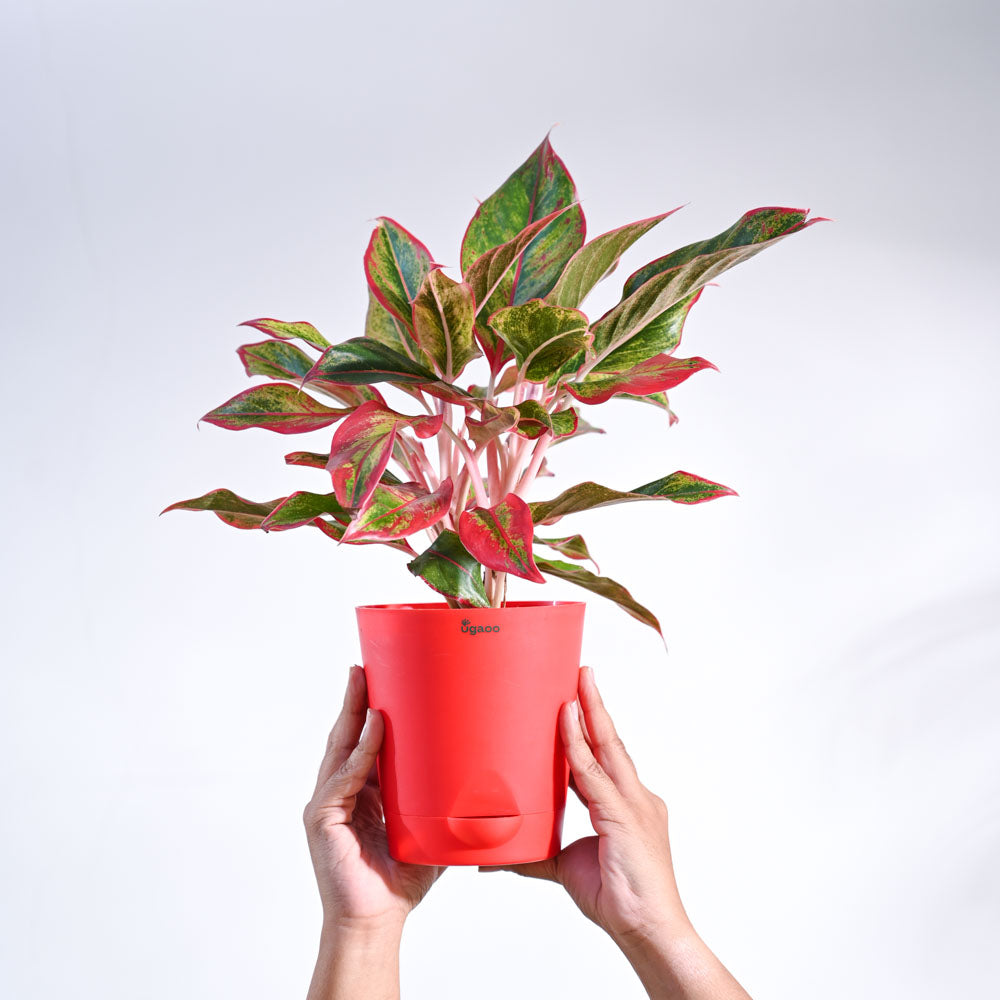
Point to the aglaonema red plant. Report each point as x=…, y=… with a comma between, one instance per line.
x=461, y=467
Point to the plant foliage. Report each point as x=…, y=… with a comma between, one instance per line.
x=466, y=459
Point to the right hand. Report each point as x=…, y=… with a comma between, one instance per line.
x=622, y=878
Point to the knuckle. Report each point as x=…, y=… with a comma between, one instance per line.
x=593, y=768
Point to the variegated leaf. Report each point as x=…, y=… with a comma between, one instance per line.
x=396, y=263
x=443, y=317
x=290, y=331
x=360, y=451
x=539, y=187
x=383, y=327
x=582, y=427
x=653, y=375
x=680, y=487
x=362, y=361
x=363, y=445
x=491, y=279
x=534, y=420
x=278, y=407
x=303, y=508
x=494, y=420
x=542, y=337
x=596, y=260
x=653, y=289
x=572, y=546
x=275, y=359
x=334, y=530
x=657, y=399
x=500, y=537
x=397, y=511
x=228, y=507
x=661, y=336
x=448, y=567
x=602, y=585
x=317, y=460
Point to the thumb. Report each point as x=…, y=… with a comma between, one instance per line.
x=546, y=869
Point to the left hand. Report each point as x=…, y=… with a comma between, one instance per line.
x=359, y=883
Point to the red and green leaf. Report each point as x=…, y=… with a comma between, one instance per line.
x=493, y=421
x=396, y=263
x=448, y=567
x=383, y=327
x=653, y=289
x=363, y=445
x=650, y=376
x=396, y=511
x=657, y=399
x=303, y=508
x=542, y=337
x=318, y=460
x=500, y=537
x=602, y=585
x=679, y=487
x=360, y=451
x=491, y=279
x=538, y=188
x=275, y=359
x=596, y=260
x=661, y=336
x=363, y=361
x=278, y=407
x=443, y=317
x=572, y=546
x=534, y=420
x=290, y=331
x=230, y=508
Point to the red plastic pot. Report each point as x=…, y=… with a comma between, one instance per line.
x=472, y=768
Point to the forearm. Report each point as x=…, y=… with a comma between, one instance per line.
x=679, y=966
x=357, y=964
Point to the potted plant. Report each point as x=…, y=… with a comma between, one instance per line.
x=470, y=687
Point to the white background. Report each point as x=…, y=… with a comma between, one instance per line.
x=824, y=726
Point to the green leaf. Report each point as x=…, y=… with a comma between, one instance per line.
x=653, y=289
x=602, y=585
x=539, y=187
x=396, y=511
x=680, y=487
x=534, y=420
x=500, y=537
x=494, y=420
x=582, y=427
x=303, y=508
x=572, y=546
x=542, y=337
x=650, y=376
x=443, y=316
x=683, y=487
x=596, y=260
x=363, y=361
x=396, y=263
x=275, y=359
x=661, y=336
x=290, y=331
x=447, y=567
x=383, y=327
x=490, y=277
x=230, y=508
x=278, y=407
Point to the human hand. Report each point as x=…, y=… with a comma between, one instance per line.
x=366, y=894
x=623, y=878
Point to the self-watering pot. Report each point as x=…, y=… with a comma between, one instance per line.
x=472, y=768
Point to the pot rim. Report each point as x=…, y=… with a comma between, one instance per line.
x=442, y=606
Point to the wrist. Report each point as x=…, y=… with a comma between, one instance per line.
x=358, y=960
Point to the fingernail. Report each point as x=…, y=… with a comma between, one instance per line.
x=367, y=728
x=576, y=710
